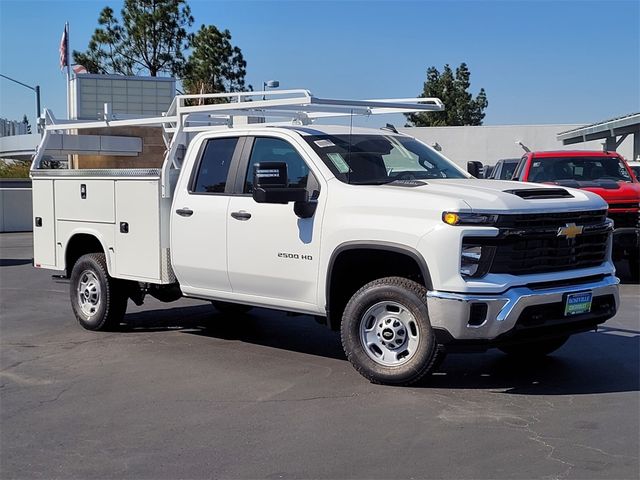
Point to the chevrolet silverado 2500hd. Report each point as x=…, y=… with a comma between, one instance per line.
x=373, y=231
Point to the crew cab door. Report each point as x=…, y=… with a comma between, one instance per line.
x=272, y=252
x=199, y=216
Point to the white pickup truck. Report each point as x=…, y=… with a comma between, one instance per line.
x=371, y=231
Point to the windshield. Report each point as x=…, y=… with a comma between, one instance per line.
x=377, y=159
x=551, y=169
x=508, y=168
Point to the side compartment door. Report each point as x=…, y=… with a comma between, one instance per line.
x=199, y=217
x=44, y=223
x=138, y=229
x=272, y=252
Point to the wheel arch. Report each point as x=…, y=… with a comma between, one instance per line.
x=407, y=260
x=82, y=242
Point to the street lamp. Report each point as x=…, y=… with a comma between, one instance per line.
x=35, y=89
x=269, y=84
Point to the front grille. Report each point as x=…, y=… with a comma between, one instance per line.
x=625, y=219
x=551, y=220
x=635, y=205
x=530, y=244
x=525, y=256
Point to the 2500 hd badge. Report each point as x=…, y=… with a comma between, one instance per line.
x=295, y=256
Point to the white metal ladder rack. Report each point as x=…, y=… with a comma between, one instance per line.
x=188, y=114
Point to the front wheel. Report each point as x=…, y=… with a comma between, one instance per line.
x=386, y=333
x=535, y=349
x=99, y=301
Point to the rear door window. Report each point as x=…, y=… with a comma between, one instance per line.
x=213, y=170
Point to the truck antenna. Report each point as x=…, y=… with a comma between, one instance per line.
x=524, y=147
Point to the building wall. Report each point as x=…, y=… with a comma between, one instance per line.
x=152, y=154
x=134, y=96
x=12, y=127
x=488, y=144
x=15, y=205
x=127, y=97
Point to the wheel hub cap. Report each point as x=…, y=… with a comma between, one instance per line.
x=89, y=293
x=389, y=333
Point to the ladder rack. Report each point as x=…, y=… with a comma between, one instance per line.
x=189, y=114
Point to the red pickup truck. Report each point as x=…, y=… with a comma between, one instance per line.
x=604, y=173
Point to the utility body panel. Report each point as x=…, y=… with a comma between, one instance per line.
x=122, y=209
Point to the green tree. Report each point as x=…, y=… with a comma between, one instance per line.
x=460, y=106
x=14, y=169
x=149, y=39
x=214, y=65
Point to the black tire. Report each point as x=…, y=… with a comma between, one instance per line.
x=634, y=266
x=439, y=358
x=535, y=349
x=229, y=308
x=383, y=294
x=105, y=309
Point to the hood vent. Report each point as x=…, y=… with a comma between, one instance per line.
x=540, y=193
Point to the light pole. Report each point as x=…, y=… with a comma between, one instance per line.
x=269, y=84
x=35, y=89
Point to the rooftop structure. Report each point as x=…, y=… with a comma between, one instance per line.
x=614, y=131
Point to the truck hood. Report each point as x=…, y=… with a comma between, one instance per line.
x=610, y=190
x=500, y=196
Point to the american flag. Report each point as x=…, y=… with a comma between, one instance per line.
x=64, y=47
x=79, y=69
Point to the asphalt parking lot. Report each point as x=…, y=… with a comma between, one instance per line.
x=189, y=393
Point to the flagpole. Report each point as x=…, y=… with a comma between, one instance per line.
x=66, y=26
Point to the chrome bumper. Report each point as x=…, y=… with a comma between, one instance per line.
x=451, y=311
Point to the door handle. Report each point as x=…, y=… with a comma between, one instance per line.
x=241, y=215
x=184, y=212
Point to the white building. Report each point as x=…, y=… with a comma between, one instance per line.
x=490, y=143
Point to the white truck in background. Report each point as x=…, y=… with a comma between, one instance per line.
x=370, y=230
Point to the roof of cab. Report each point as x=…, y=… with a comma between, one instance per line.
x=574, y=153
x=310, y=130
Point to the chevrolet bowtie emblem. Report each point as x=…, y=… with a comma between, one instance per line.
x=571, y=230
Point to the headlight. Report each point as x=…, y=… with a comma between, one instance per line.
x=475, y=260
x=453, y=218
x=470, y=260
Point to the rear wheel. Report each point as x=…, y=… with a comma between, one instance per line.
x=99, y=301
x=386, y=333
x=534, y=349
x=229, y=308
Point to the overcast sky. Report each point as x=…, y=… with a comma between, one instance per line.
x=539, y=61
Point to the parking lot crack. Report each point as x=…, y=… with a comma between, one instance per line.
x=536, y=437
x=308, y=399
x=602, y=452
x=58, y=395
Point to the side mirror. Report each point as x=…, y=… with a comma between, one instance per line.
x=270, y=182
x=475, y=168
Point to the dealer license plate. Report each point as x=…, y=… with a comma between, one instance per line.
x=577, y=303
